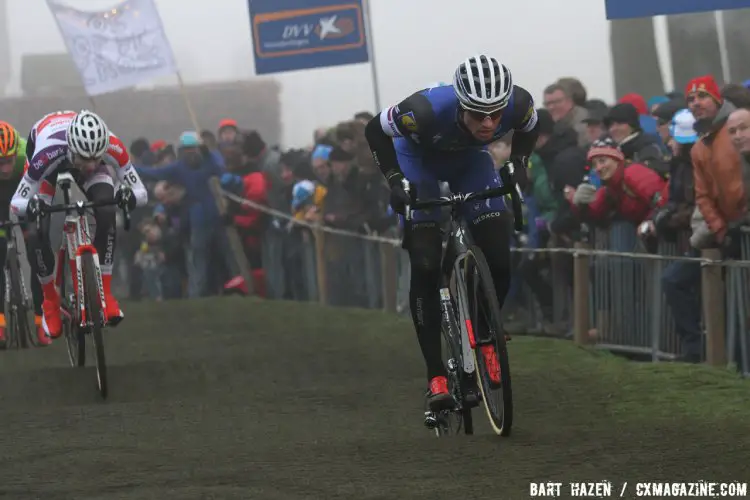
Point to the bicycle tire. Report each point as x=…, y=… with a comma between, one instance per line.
x=475, y=260
x=75, y=340
x=94, y=318
x=19, y=310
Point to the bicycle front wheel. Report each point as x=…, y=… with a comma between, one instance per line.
x=490, y=351
x=95, y=318
x=75, y=340
x=20, y=326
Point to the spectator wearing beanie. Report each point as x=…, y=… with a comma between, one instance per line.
x=564, y=164
x=664, y=113
x=228, y=131
x=719, y=190
x=624, y=126
x=681, y=280
x=345, y=202
x=595, y=127
x=257, y=156
x=647, y=122
x=633, y=191
x=193, y=170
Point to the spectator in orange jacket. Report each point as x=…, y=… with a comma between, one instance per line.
x=719, y=190
x=631, y=191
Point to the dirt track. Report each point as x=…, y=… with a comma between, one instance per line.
x=230, y=399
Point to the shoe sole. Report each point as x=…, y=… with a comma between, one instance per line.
x=442, y=402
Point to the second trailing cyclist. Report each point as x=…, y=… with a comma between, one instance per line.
x=12, y=162
x=441, y=134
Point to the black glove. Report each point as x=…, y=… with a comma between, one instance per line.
x=399, y=197
x=520, y=174
x=35, y=207
x=125, y=198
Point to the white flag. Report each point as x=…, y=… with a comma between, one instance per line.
x=116, y=48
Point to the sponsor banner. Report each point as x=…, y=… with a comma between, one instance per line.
x=302, y=34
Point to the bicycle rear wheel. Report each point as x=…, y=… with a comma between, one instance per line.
x=94, y=318
x=490, y=352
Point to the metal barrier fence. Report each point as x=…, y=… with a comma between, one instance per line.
x=607, y=290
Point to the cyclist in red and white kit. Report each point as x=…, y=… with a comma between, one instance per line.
x=80, y=144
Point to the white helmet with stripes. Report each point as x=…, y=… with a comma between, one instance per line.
x=88, y=135
x=482, y=84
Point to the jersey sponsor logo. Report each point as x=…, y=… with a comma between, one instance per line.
x=55, y=118
x=529, y=112
x=408, y=121
x=115, y=148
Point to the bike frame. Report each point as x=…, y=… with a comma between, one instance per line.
x=458, y=242
x=75, y=243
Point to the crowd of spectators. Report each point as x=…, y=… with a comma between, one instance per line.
x=656, y=170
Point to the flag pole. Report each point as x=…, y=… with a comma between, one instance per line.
x=233, y=237
x=371, y=50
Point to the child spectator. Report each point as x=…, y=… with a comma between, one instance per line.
x=150, y=257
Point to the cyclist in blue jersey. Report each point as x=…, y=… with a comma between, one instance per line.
x=441, y=134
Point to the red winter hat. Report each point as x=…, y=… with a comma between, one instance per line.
x=605, y=147
x=158, y=145
x=706, y=84
x=637, y=101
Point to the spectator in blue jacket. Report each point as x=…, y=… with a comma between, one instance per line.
x=193, y=170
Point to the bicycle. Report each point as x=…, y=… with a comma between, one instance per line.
x=19, y=307
x=83, y=308
x=466, y=288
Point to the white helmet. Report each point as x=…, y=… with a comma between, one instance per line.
x=88, y=135
x=483, y=84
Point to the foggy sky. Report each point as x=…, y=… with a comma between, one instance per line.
x=416, y=43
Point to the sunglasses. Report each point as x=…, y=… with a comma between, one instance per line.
x=479, y=116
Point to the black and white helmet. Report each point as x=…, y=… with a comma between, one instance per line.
x=483, y=84
x=88, y=135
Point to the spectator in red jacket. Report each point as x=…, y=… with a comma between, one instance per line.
x=248, y=183
x=631, y=191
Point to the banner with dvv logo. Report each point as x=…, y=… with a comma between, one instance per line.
x=302, y=34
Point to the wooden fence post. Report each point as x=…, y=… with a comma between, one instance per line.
x=320, y=264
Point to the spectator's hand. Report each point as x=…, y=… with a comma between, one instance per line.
x=568, y=192
x=312, y=215
x=584, y=194
x=541, y=224
x=330, y=218
x=646, y=229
